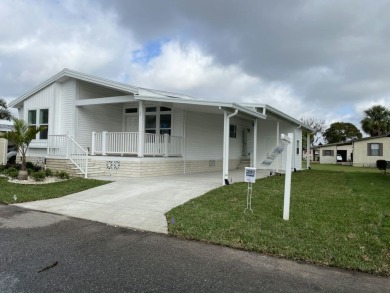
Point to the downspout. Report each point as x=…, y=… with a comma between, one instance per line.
x=226, y=144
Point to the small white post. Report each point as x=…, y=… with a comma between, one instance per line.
x=287, y=183
x=308, y=151
x=104, y=142
x=86, y=166
x=93, y=143
x=166, y=150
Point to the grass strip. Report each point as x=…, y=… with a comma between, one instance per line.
x=337, y=219
x=31, y=192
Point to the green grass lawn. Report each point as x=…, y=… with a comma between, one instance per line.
x=337, y=218
x=43, y=191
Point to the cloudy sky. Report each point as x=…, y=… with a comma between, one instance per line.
x=325, y=59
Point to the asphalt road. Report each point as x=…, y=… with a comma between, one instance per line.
x=41, y=252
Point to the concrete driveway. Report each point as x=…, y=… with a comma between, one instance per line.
x=138, y=203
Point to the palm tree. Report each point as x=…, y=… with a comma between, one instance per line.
x=21, y=136
x=376, y=121
x=5, y=114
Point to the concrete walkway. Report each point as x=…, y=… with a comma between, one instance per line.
x=138, y=203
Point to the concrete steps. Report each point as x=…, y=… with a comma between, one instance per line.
x=92, y=170
x=244, y=162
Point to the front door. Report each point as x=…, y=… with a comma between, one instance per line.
x=132, y=123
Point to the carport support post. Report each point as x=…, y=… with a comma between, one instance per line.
x=141, y=129
x=254, y=157
x=287, y=183
x=308, y=151
x=226, y=125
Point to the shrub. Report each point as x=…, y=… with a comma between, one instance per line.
x=30, y=171
x=49, y=172
x=2, y=168
x=33, y=166
x=62, y=175
x=12, y=172
x=39, y=176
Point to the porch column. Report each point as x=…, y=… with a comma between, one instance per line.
x=226, y=144
x=141, y=129
x=254, y=157
x=308, y=151
x=225, y=160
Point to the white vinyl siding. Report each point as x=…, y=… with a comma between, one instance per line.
x=98, y=118
x=42, y=99
x=67, y=114
x=88, y=90
x=177, y=122
x=204, y=136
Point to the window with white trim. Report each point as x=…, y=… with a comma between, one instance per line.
x=37, y=118
x=158, y=120
x=375, y=149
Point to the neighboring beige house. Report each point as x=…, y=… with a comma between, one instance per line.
x=3, y=143
x=329, y=152
x=368, y=150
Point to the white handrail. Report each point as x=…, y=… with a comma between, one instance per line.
x=66, y=146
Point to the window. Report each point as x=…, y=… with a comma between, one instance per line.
x=233, y=131
x=297, y=147
x=158, y=120
x=328, y=153
x=38, y=118
x=131, y=110
x=375, y=149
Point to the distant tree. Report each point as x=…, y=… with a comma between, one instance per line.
x=5, y=114
x=318, y=125
x=376, y=120
x=341, y=132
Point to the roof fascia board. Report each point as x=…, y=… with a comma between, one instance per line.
x=105, y=100
x=279, y=113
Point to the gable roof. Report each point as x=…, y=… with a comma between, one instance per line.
x=141, y=93
x=67, y=73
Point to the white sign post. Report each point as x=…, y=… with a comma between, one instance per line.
x=250, y=177
x=287, y=183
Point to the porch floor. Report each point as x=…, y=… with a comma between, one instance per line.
x=137, y=203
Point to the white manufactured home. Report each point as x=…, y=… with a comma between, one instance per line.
x=108, y=127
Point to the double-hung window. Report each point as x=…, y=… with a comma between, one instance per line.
x=37, y=118
x=375, y=149
x=158, y=120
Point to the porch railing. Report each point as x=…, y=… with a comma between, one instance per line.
x=66, y=146
x=104, y=143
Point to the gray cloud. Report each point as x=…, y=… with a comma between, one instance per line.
x=281, y=40
x=333, y=54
